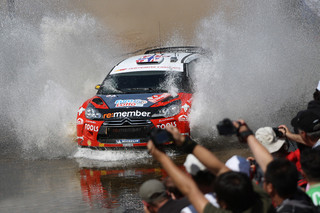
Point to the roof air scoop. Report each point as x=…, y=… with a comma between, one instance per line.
x=157, y=58
x=174, y=59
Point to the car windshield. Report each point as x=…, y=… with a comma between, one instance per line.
x=142, y=82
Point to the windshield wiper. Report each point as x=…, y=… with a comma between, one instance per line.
x=106, y=91
x=157, y=90
x=150, y=89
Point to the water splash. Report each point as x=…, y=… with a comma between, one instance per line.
x=114, y=157
x=263, y=67
x=111, y=156
x=49, y=64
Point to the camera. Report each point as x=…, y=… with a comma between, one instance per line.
x=160, y=136
x=279, y=134
x=226, y=127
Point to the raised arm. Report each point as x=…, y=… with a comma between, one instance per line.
x=260, y=153
x=183, y=181
x=206, y=157
x=290, y=135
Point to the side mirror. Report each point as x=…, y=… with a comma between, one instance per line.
x=98, y=86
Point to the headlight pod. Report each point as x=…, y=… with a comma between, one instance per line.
x=168, y=111
x=92, y=113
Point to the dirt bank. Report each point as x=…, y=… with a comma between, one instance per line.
x=143, y=23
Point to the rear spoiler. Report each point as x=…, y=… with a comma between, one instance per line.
x=184, y=49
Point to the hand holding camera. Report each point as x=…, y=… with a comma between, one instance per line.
x=278, y=132
x=160, y=136
x=240, y=128
x=226, y=127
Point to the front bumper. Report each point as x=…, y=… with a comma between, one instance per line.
x=117, y=133
x=124, y=131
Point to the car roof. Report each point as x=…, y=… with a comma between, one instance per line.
x=161, y=59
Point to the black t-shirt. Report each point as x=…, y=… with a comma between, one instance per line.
x=174, y=205
x=300, y=202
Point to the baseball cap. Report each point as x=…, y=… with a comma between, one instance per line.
x=152, y=190
x=238, y=164
x=307, y=121
x=193, y=165
x=267, y=137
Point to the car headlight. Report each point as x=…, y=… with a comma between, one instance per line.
x=92, y=113
x=168, y=111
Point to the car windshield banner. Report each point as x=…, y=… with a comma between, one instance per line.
x=133, y=100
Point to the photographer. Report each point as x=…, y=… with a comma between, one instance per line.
x=307, y=124
x=277, y=144
x=235, y=192
x=303, y=136
x=316, y=94
x=280, y=180
x=157, y=199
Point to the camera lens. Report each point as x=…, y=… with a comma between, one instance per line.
x=279, y=134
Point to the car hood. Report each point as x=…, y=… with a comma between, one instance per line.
x=133, y=100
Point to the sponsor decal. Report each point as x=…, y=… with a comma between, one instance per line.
x=163, y=126
x=185, y=107
x=79, y=121
x=128, y=141
x=156, y=98
x=150, y=59
x=153, y=67
x=125, y=114
x=183, y=118
x=130, y=102
x=90, y=127
x=166, y=119
x=89, y=121
x=111, y=96
x=81, y=110
x=119, y=70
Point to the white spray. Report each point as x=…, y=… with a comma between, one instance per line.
x=263, y=67
x=49, y=64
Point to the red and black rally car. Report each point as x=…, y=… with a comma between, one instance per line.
x=139, y=94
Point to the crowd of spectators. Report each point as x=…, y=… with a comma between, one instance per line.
x=273, y=179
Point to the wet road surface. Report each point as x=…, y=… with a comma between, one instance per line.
x=80, y=184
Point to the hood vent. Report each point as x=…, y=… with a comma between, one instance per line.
x=97, y=101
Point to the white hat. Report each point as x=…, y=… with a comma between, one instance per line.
x=267, y=137
x=318, y=88
x=238, y=164
x=193, y=165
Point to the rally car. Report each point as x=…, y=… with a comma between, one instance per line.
x=140, y=93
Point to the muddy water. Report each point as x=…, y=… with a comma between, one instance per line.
x=80, y=185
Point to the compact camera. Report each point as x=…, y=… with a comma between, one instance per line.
x=160, y=136
x=226, y=127
x=279, y=134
